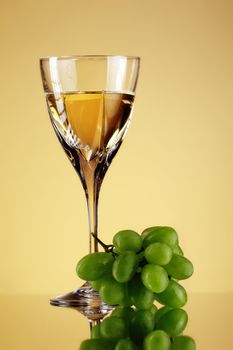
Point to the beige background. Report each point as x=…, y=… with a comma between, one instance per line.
x=175, y=166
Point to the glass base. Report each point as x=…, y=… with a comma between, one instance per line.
x=86, y=300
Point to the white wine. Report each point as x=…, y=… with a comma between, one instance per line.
x=91, y=122
x=90, y=126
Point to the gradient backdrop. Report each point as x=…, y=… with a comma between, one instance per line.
x=175, y=166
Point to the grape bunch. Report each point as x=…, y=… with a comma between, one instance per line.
x=137, y=273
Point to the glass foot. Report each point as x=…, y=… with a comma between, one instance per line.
x=86, y=300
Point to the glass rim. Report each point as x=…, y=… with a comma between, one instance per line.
x=77, y=57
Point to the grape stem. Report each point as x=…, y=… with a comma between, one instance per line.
x=107, y=247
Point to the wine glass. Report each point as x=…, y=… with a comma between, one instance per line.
x=90, y=100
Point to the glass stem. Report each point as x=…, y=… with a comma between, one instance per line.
x=92, y=196
x=92, y=205
x=93, y=323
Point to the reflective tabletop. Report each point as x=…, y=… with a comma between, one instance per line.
x=28, y=322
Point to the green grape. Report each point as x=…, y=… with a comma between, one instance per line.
x=140, y=296
x=183, y=342
x=97, y=284
x=174, y=295
x=157, y=340
x=173, y=322
x=126, y=313
x=113, y=292
x=162, y=311
x=163, y=234
x=141, y=324
x=158, y=254
x=113, y=328
x=148, y=230
x=95, y=332
x=154, y=278
x=127, y=240
x=96, y=344
x=179, y=267
x=125, y=344
x=177, y=250
x=125, y=266
x=93, y=266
